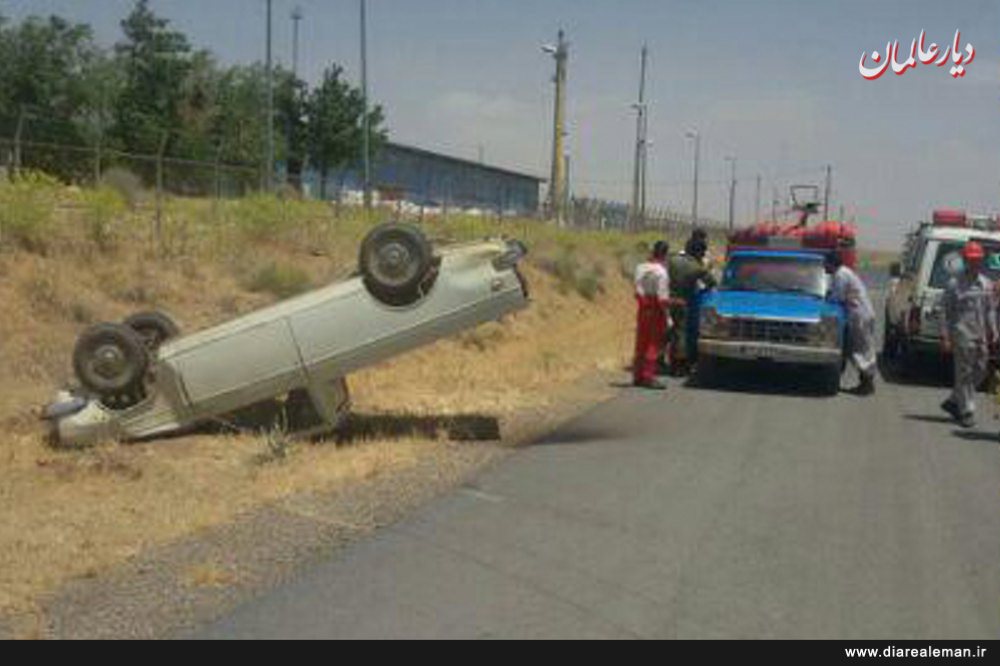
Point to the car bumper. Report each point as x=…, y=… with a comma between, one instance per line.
x=769, y=351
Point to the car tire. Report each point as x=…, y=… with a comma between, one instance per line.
x=111, y=361
x=395, y=261
x=154, y=328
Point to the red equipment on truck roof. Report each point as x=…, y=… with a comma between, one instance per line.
x=823, y=237
x=829, y=236
x=950, y=217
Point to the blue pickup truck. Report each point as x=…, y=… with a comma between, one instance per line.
x=772, y=307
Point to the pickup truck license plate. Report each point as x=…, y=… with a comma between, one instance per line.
x=758, y=352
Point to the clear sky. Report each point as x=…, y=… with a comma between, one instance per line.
x=773, y=82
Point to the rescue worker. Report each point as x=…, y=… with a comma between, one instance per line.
x=847, y=288
x=652, y=294
x=970, y=331
x=689, y=276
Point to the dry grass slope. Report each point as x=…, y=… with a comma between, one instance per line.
x=69, y=258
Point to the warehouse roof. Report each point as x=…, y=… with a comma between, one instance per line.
x=463, y=162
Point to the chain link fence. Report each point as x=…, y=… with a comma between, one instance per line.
x=601, y=214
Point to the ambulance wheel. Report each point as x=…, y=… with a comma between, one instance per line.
x=111, y=360
x=395, y=261
x=154, y=328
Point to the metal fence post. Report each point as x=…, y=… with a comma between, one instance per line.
x=17, y=142
x=159, y=188
x=218, y=171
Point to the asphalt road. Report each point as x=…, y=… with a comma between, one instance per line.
x=748, y=512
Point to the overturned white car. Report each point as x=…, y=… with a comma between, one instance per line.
x=140, y=379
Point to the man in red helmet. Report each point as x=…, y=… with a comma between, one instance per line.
x=652, y=294
x=970, y=330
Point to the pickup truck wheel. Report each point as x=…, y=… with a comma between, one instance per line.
x=154, y=328
x=830, y=380
x=110, y=360
x=395, y=260
x=706, y=370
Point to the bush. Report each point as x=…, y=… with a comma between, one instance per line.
x=260, y=216
x=27, y=210
x=103, y=208
x=128, y=185
x=281, y=281
x=571, y=276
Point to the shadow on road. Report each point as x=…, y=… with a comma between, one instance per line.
x=925, y=418
x=977, y=436
x=578, y=434
x=460, y=427
x=926, y=370
x=762, y=379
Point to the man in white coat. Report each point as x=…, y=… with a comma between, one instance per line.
x=847, y=288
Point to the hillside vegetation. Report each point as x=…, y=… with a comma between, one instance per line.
x=69, y=258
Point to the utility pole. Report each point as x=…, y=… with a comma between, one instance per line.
x=269, y=166
x=557, y=182
x=826, y=197
x=732, y=193
x=694, y=134
x=296, y=17
x=365, y=122
x=638, y=176
x=756, y=205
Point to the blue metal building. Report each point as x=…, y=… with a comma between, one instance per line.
x=426, y=178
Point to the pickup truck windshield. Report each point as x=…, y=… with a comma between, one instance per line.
x=775, y=274
x=949, y=254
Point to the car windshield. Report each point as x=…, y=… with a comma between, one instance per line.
x=775, y=274
x=949, y=262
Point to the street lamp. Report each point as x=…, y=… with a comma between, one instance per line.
x=693, y=134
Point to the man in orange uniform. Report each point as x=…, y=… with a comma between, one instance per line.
x=652, y=294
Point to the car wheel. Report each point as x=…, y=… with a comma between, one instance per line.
x=111, y=361
x=154, y=328
x=395, y=261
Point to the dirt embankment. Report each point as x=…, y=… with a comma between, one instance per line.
x=71, y=514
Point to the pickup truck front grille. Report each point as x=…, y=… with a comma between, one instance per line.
x=768, y=330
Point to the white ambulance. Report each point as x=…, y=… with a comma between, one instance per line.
x=914, y=313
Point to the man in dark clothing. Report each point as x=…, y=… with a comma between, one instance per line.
x=689, y=276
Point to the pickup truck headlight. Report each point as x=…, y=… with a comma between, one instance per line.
x=712, y=324
x=827, y=332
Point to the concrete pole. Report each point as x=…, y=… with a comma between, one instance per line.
x=640, y=107
x=557, y=182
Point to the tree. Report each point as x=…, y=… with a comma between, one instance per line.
x=44, y=66
x=335, y=128
x=156, y=62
